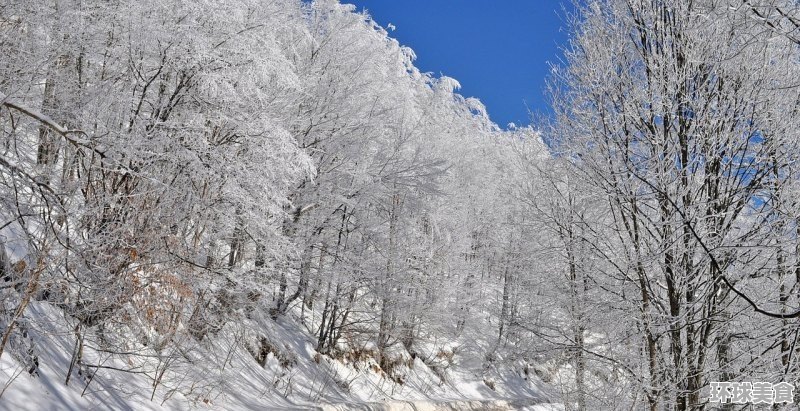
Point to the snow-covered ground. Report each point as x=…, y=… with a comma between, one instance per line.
x=220, y=373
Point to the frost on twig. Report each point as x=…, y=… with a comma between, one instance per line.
x=50, y=123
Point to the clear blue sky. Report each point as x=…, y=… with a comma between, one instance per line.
x=498, y=50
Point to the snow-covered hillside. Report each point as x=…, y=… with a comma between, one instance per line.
x=250, y=204
x=246, y=204
x=223, y=374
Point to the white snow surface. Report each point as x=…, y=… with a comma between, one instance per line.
x=220, y=374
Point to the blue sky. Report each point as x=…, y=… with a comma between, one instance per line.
x=497, y=50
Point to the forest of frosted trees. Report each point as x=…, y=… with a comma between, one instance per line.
x=181, y=181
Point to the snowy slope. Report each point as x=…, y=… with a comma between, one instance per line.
x=220, y=373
